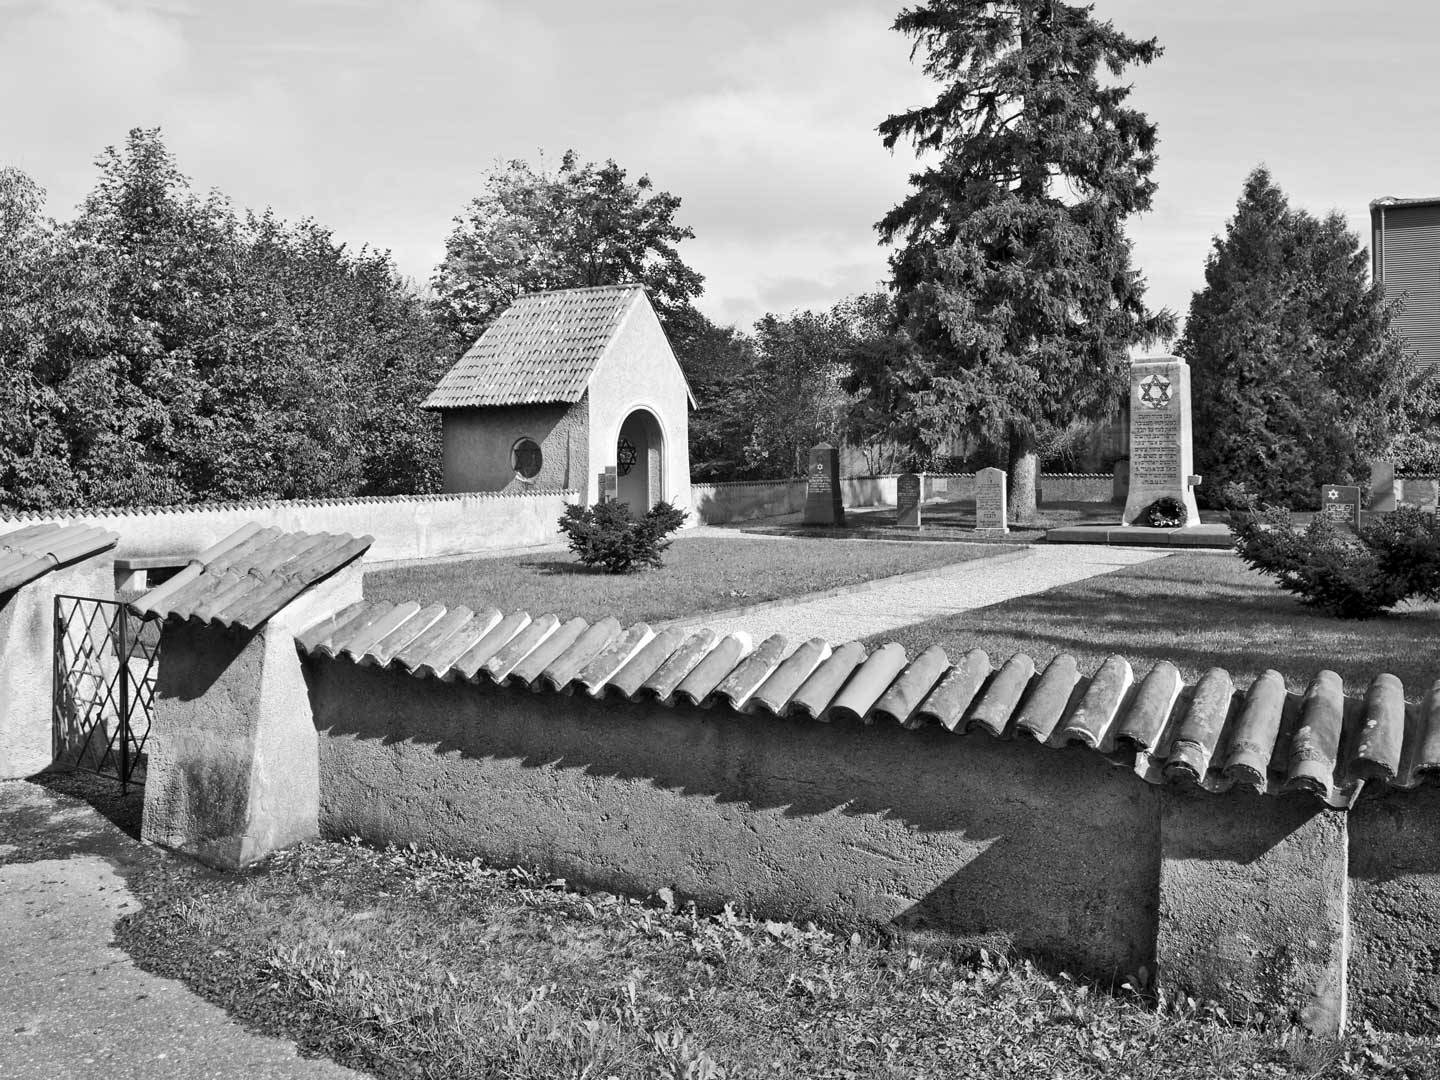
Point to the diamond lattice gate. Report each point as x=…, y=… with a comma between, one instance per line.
x=105, y=663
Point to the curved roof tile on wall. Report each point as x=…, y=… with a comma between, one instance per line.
x=32, y=552
x=249, y=576
x=1207, y=735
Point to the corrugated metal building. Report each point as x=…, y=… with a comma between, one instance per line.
x=1405, y=247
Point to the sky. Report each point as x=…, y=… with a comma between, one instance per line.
x=380, y=118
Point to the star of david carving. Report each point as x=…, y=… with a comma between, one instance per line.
x=1155, y=391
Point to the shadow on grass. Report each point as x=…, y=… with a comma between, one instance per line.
x=561, y=568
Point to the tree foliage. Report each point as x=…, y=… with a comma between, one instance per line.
x=1298, y=377
x=581, y=225
x=1012, y=273
x=163, y=348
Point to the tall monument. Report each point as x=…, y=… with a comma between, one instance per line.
x=1162, y=458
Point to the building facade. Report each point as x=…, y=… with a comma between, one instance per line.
x=573, y=389
x=1405, y=253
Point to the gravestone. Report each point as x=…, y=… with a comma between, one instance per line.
x=990, y=504
x=1341, y=504
x=1161, y=440
x=1382, y=486
x=609, y=484
x=823, y=505
x=907, y=501
x=1421, y=493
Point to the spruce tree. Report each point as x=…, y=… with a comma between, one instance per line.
x=1297, y=376
x=1012, y=272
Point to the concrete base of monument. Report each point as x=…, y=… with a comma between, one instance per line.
x=1204, y=535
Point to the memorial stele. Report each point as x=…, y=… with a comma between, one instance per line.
x=1162, y=458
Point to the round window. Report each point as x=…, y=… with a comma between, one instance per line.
x=526, y=459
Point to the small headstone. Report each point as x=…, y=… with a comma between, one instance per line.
x=609, y=484
x=823, y=505
x=1422, y=493
x=990, y=509
x=907, y=501
x=1161, y=442
x=1382, y=486
x=1341, y=504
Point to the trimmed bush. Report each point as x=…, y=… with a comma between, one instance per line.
x=1353, y=575
x=609, y=536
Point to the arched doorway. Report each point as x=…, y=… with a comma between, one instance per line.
x=639, y=457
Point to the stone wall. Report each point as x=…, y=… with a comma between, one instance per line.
x=404, y=527
x=1052, y=850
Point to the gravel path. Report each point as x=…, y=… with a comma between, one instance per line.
x=883, y=608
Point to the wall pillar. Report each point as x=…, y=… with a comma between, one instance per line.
x=233, y=769
x=1253, y=905
x=27, y=660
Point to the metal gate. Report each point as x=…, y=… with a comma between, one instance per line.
x=105, y=664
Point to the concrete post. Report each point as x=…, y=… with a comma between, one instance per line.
x=233, y=771
x=1253, y=905
x=27, y=659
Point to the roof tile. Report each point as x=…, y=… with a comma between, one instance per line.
x=249, y=576
x=35, y=550
x=543, y=348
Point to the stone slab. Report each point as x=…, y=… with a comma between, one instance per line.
x=991, y=509
x=908, y=514
x=1192, y=536
x=823, y=502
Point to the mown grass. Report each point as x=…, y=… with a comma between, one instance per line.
x=1198, y=611
x=412, y=964
x=700, y=575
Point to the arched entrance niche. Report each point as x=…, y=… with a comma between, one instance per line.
x=639, y=457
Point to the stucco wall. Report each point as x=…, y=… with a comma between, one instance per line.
x=27, y=650
x=716, y=504
x=478, y=444
x=638, y=371
x=404, y=527
x=1395, y=910
x=1053, y=849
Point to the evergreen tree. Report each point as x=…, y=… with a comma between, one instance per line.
x=1013, y=273
x=1297, y=375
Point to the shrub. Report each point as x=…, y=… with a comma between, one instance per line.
x=1352, y=575
x=609, y=536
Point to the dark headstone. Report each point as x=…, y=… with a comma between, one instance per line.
x=990, y=498
x=609, y=484
x=907, y=501
x=1341, y=503
x=823, y=505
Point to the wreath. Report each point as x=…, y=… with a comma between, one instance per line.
x=1165, y=513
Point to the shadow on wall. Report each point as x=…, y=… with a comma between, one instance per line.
x=1394, y=864
x=1054, y=849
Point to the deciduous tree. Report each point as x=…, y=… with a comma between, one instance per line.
x=1012, y=272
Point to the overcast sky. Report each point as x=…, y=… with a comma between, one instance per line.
x=380, y=117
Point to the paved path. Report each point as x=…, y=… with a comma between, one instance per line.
x=72, y=1007
x=882, y=608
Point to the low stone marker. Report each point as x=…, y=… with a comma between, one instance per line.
x=823, y=505
x=1341, y=504
x=991, y=512
x=908, y=514
x=1161, y=441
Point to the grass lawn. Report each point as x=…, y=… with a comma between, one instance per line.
x=1198, y=611
x=700, y=574
x=411, y=964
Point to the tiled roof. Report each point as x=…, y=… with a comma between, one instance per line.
x=1207, y=735
x=34, y=551
x=544, y=348
x=249, y=576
